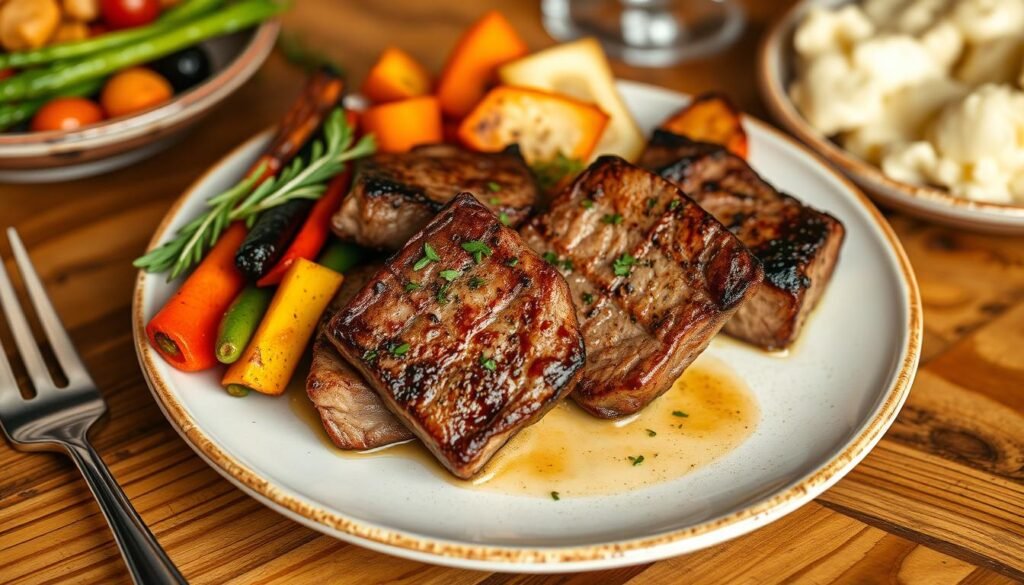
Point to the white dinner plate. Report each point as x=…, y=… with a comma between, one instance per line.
x=822, y=408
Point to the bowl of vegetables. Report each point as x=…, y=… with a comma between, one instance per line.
x=88, y=86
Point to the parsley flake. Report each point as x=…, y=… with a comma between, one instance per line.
x=478, y=249
x=370, y=355
x=674, y=205
x=488, y=363
x=429, y=255
x=651, y=433
x=512, y=261
x=494, y=201
x=450, y=275
x=554, y=496
x=623, y=265
x=614, y=219
x=680, y=414
x=412, y=286
x=636, y=460
x=588, y=298
x=651, y=202
x=504, y=218
x=550, y=257
x=400, y=350
x=494, y=186
x=442, y=293
x=587, y=204
x=476, y=282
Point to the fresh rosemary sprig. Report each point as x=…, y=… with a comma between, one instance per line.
x=246, y=201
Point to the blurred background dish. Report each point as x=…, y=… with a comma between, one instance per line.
x=778, y=69
x=224, y=62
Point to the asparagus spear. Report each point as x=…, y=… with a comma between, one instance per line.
x=174, y=17
x=14, y=114
x=53, y=79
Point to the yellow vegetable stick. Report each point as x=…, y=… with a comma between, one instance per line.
x=275, y=350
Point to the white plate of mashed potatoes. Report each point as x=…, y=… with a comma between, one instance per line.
x=920, y=101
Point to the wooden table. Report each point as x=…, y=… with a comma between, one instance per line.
x=940, y=500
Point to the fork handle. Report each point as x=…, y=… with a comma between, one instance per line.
x=147, y=562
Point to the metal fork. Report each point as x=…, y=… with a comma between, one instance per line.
x=58, y=419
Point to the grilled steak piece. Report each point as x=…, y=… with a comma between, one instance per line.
x=466, y=334
x=394, y=195
x=797, y=245
x=353, y=415
x=653, y=276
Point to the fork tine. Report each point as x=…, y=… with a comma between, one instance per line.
x=8, y=383
x=63, y=348
x=23, y=334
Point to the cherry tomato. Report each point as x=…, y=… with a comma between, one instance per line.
x=129, y=13
x=66, y=114
x=134, y=89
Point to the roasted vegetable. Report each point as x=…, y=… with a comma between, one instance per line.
x=341, y=256
x=27, y=24
x=545, y=125
x=53, y=79
x=133, y=90
x=314, y=232
x=399, y=126
x=13, y=114
x=395, y=76
x=240, y=322
x=270, y=236
x=711, y=117
x=185, y=329
x=580, y=69
x=170, y=20
x=487, y=44
x=271, y=357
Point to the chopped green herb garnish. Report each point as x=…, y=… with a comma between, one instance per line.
x=651, y=433
x=476, y=282
x=550, y=173
x=488, y=363
x=413, y=285
x=450, y=275
x=651, y=202
x=588, y=298
x=494, y=201
x=550, y=257
x=429, y=255
x=400, y=350
x=554, y=496
x=370, y=355
x=636, y=460
x=478, y=249
x=623, y=265
x=442, y=293
x=674, y=205
x=587, y=204
x=504, y=218
x=512, y=261
x=614, y=219
x=679, y=413
x=494, y=186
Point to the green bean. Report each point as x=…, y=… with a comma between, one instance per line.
x=14, y=114
x=53, y=79
x=240, y=322
x=341, y=256
x=174, y=17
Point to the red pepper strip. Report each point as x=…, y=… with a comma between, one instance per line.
x=314, y=231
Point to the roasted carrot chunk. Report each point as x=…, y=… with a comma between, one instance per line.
x=404, y=124
x=396, y=76
x=489, y=43
x=543, y=124
x=711, y=117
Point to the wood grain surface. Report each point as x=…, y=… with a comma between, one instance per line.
x=940, y=500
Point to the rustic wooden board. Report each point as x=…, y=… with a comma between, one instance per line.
x=939, y=501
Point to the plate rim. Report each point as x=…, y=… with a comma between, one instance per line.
x=549, y=558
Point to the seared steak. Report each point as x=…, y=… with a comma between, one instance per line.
x=394, y=195
x=797, y=245
x=352, y=413
x=466, y=334
x=653, y=276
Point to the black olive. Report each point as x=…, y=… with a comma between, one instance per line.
x=184, y=69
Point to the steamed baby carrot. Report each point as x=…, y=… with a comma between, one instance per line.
x=185, y=329
x=271, y=357
x=399, y=126
x=395, y=76
x=314, y=231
